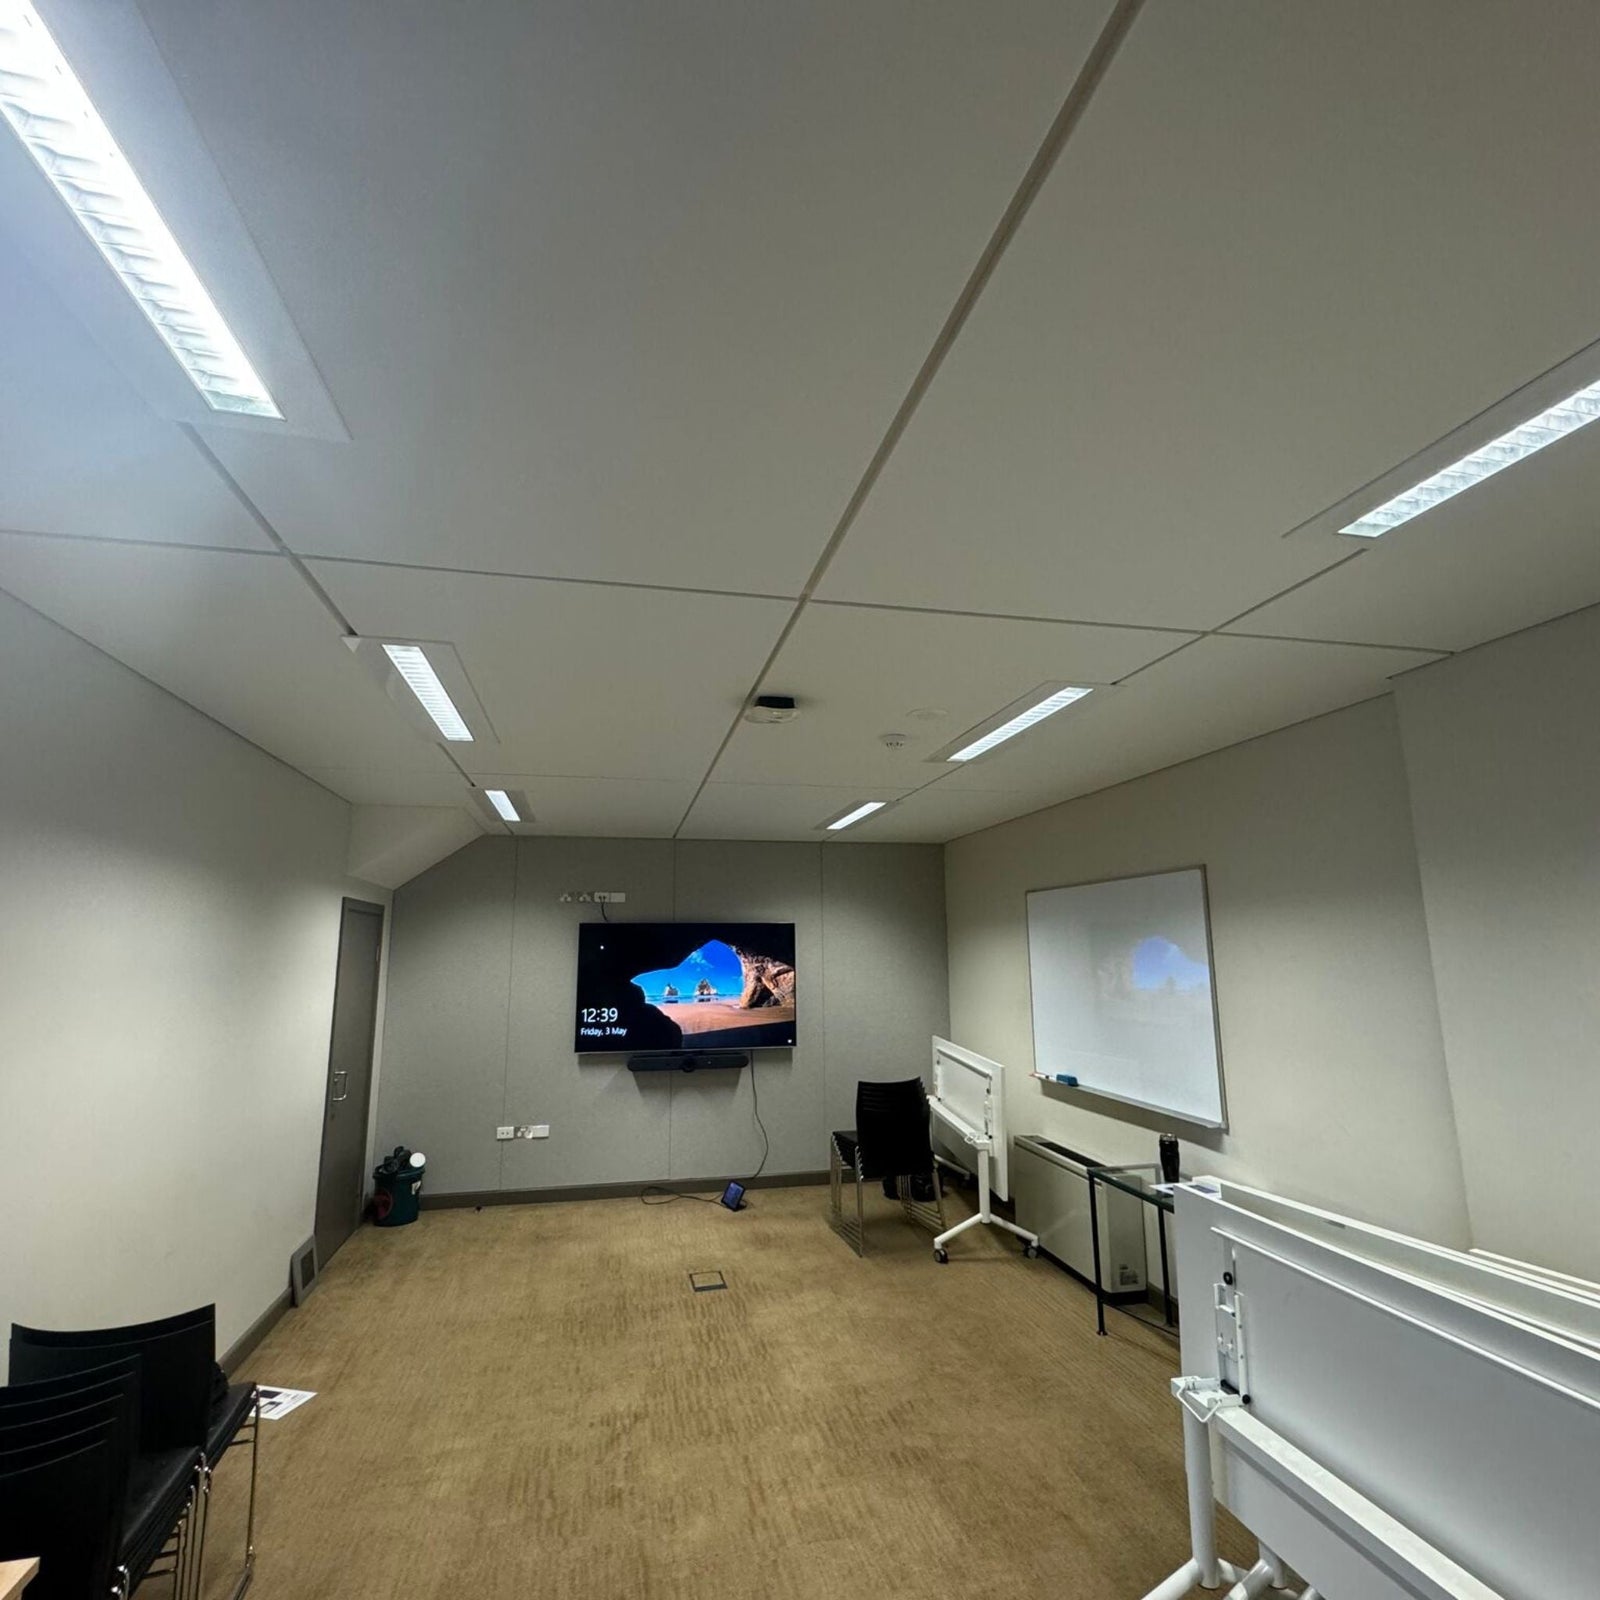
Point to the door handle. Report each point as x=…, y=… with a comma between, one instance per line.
x=341, y=1082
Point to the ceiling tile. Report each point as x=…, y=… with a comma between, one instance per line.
x=939, y=813
x=622, y=291
x=1514, y=551
x=598, y=808
x=80, y=451
x=396, y=786
x=239, y=637
x=1213, y=693
x=859, y=674
x=792, y=811
x=579, y=680
x=781, y=811
x=1298, y=291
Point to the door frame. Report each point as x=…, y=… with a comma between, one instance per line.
x=347, y=905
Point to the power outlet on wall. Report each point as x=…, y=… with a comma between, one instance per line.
x=533, y=1130
x=505, y=1132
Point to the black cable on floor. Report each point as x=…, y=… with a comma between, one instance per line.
x=666, y=1195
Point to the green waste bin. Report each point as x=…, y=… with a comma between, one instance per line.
x=397, y=1188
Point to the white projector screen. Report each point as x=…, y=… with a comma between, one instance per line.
x=1123, y=998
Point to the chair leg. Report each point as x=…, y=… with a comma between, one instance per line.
x=854, y=1236
x=861, y=1214
x=203, y=1526
x=180, y=1555
x=923, y=1213
x=250, y=1518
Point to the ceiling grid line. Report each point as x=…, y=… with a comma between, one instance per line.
x=140, y=544
x=1078, y=97
x=258, y=517
x=1190, y=632
x=1301, y=583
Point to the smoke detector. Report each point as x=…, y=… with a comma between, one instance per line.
x=772, y=708
x=894, y=741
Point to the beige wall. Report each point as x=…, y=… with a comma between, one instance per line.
x=1503, y=753
x=1333, y=1062
x=169, y=919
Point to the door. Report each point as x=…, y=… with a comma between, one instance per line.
x=341, y=1179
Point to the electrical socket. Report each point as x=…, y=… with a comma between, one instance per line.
x=504, y=1132
x=533, y=1130
x=604, y=897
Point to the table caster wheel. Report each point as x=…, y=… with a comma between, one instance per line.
x=942, y=1257
x=1030, y=1250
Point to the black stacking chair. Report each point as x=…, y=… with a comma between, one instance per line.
x=57, y=1503
x=889, y=1145
x=104, y=1397
x=119, y=1380
x=176, y=1360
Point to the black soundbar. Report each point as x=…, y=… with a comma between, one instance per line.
x=687, y=1060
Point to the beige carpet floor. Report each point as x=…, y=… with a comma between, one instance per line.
x=531, y=1401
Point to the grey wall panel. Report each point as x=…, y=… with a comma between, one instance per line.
x=444, y=1036
x=713, y=1122
x=482, y=989
x=884, y=966
x=607, y=1125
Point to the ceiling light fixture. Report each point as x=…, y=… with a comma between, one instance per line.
x=1035, y=714
x=1556, y=422
x=411, y=662
x=861, y=812
x=41, y=98
x=501, y=801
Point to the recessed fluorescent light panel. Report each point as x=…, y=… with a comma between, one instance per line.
x=1566, y=416
x=857, y=814
x=41, y=98
x=501, y=802
x=508, y=806
x=1056, y=700
x=411, y=662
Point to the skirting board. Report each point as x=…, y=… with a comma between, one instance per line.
x=254, y=1334
x=611, y=1191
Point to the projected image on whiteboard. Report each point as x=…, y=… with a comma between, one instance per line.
x=1122, y=991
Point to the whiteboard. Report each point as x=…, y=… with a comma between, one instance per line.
x=1123, y=993
x=971, y=1089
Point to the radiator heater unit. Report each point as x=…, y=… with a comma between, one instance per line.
x=1050, y=1185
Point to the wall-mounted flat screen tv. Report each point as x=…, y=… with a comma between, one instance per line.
x=684, y=986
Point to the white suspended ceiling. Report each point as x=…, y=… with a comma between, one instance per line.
x=592, y=320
